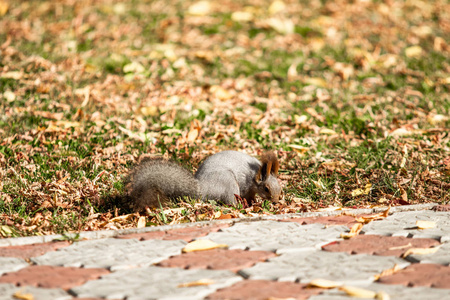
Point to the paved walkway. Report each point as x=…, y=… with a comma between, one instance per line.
x=275, y=257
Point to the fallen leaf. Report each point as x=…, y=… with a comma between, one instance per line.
x=192, y=135
x=242, y=16
x=382, y=295
x=4, y=6
x=283, y=26
x=200, y=245
x=354, y=231
x=221, y=93
x=323, y=283
x=9, y=96
x=374, y=217
x=197, y=283
x=425, y=224
x=141, y=222
x=19, y=295
x=420, y=251
x=201, y=8
x=276, y=7
x=327, y=131
x=387, y=272
x=316, y=81
x=358, y=292
x=364, y=191
x=414, y=51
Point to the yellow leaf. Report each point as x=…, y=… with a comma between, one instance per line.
x=242, y=16
x=197, y=283
x=220, y=93
x=327, y=131
x=201, y=8
x=413, y=51
x=317, y=81
x=192, y=135
x=200, y=245
x=354, y=231
x=425, y=224
x=283, y=26
x=358, y=292
x=141, y=222
x=364, y=191
x=149, y=111
x=323, y=283
x=276, y=7
x=381, y=295
x=420, y=251
x=299, y=149
x=300, y=119
x=374, y=217
x=387, y=272
x=9, y=96
x=19, y=295
x=4, y=6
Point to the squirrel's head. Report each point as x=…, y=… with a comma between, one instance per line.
x=266, y=178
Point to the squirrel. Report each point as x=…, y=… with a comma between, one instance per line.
x=220, y=177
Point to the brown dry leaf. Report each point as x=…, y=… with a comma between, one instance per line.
x=197, y=283
x=374, y=217
x=387, y=272
x=323, y=283
x=19, y=295
x=49, y=115
x=358, y=292
x=200, y=245
x=425, y=224
x=420, y=251
x=354, y=231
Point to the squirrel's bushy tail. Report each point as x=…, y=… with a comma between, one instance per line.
x=157, y=181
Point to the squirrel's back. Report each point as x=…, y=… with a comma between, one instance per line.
x=228, y=173
x=156, y=181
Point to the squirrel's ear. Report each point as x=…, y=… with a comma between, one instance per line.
x=269, y=165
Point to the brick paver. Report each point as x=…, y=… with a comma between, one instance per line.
x=264, y=259
x=52, y=277
x=379, y=245
x=217, y=259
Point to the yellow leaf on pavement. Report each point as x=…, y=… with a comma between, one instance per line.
x=425, y=224
x=19, y=295
x=354, y=231
x=358, y=292
x=200, y=245
x=387, y=272
x=420, y=251
x=197, y=283
x=323, y=283
x=374, y=217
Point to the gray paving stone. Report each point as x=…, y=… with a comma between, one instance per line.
x=155, y=283
x=441, y=256
x=305, y=266
x=11, y=264
x=111, y=253
x=7, y=292
x=403, y=224
x=395, y=292
x=281, y=237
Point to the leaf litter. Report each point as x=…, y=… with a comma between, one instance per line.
x=352, y=95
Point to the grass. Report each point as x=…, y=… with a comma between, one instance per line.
x=347, y=99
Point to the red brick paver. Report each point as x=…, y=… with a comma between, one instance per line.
x=217, y=259
x=33, y=250
x=430, y=275
x=187, y=234
x=263, y=290
x=52, y=277
x=330, y=220
x=379, y=245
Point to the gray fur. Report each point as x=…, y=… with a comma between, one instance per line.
x=156, y=181
x=220, y=177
